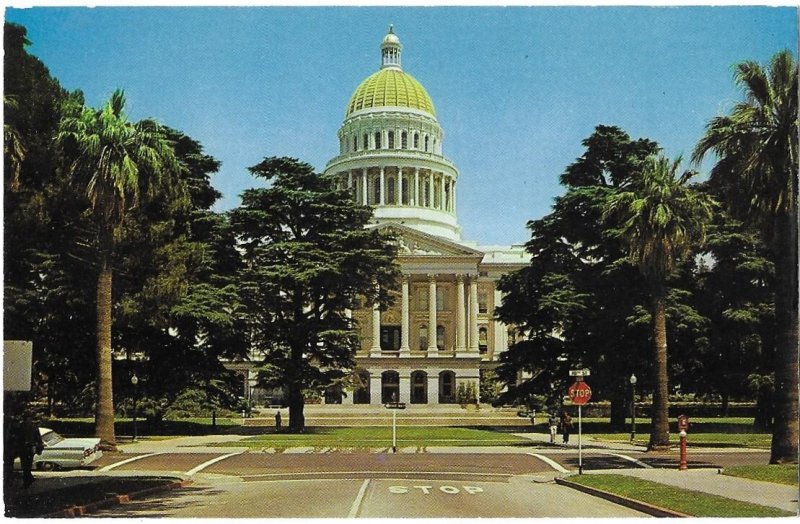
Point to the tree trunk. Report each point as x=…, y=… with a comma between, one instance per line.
x=297, y=420
x=785, y=430
x=659, y=427
x=104, y=410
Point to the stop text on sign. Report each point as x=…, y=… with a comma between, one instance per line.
x=450, y=490
x=580, y=393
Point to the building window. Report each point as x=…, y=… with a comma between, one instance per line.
x=483, y=302
x=440, y=299
x=426, y=144
x=390, y=338
x=416, y=140
x=390, y=140
x=447, y=381
x=378, y=140
x=355, y=143
x=390, y=190
x=423, y=337
x=390, y=386
x=483, y=340
x=440, y=337
x=366, y=141
x=404, y=140
x=404, y=190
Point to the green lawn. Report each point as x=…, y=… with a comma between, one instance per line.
x=376, y=437
x=676, y=499
x=780, y=473
x=729, y=432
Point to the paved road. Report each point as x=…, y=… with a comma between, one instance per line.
x=431, y=485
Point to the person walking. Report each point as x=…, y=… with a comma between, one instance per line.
x=277, y=420
x=552, y=423
x=566, y=426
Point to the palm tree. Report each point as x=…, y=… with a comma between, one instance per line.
x=113, y=159
x=13, y=148
x=661, y=220
x=756, y=148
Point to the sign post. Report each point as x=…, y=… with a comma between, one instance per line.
x=580, y=393
x=394, y=406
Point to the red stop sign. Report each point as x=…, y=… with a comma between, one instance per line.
x=580, y=393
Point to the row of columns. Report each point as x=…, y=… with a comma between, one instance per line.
x=461, y=321
x=446, y=193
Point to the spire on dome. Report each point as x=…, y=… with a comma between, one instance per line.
x=390, y=50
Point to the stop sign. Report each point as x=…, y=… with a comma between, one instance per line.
x=580, y=393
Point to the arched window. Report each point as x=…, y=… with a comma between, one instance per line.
x=404, y=140
x=361, y=388
x=423, y=337
x=377, y=140
x=355, y=143
x=390, y=190
x=390, y=140
x=483, y=302
x=377, y=191
x=426, y=143
x=483, y=339
x=440, y=337
x=366, y=141
x=416, y=140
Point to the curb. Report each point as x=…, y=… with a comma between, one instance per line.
x=113, y=499
x=638, y=505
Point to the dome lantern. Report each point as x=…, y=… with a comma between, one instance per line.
x=390, y=50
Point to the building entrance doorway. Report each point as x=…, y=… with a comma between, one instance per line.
x=390, y=386
x=419, y=387
x=447, y=394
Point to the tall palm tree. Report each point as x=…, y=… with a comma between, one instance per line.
x=13, y=148
x=756, y=148
x=113, y=160
x=661, y=220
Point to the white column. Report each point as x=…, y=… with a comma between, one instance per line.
x=454, y=196
x=432, y=349
x=375, y=388
x=405, y=327
x=399, y=186
x=350, y=180
x=382, y=187
x=375, y=349
x=405, y=387
x=461, y=328
x=431, y=201
x=416, y=200
x=473, y=314
x=364, y=184
x=433, y=386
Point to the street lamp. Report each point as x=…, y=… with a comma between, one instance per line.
x=135, y=382
x=633, y=406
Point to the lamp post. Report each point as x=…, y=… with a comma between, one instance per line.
x=633, y=406
x=135, y=382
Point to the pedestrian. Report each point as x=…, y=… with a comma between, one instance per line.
x=277, y=420
x=552, y=423
x=566, y=426
x=30, y=444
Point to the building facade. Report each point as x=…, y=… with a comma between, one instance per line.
x=441, y=331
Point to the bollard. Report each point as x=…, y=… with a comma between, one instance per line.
x=683, y=465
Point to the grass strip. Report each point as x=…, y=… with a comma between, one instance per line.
x=777, y=473
x=708, y=440
x=29, y=503
x=681, y=500
x=371, y=436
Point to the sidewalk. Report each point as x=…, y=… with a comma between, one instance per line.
x=710, y=481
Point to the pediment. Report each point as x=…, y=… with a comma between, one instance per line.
x=416, y=243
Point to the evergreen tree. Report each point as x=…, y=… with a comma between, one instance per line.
x=308, y=258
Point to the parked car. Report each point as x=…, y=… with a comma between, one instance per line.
x=60, y=452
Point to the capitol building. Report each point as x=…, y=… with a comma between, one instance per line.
x=441, y=331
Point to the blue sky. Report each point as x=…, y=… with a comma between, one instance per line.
x=515, y=89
